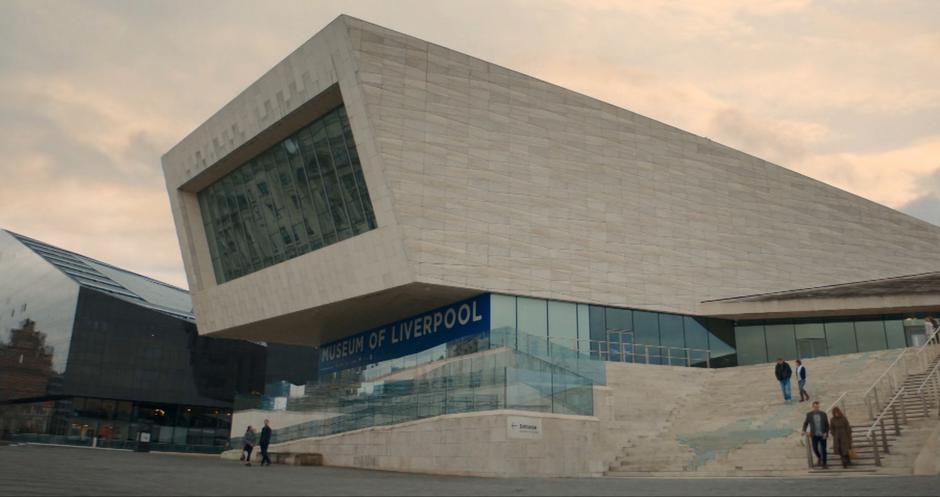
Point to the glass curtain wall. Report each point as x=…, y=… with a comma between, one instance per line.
x=616, y=334
x=116, y=423
x=759, y=342
x=304, y=193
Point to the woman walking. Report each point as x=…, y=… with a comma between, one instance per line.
x=841, y=432
x=249, y=439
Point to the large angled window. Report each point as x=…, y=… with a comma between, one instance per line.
x=302, y=194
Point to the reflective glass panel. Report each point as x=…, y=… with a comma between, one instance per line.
x=696, y=335
x=584, y=328
x=721, y=344
x=646, y=334
x=532, y=321
x=502, y=312
x=619, y=319
x=780, y=341
x=563, y=323
x=810, y=331
x=37, y=314
x=598, y=332
x=870, y=335
x=671, y=331
x=752, y=348
x=303, y=193
x=646, y=327
x=894, y=329
x=841, y=338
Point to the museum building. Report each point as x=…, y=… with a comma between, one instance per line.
x=371, y=182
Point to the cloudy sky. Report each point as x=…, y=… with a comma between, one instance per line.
x=92, y=93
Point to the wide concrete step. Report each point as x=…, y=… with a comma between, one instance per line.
x=716, y=404
x=860, y=438
x=842, y=471
x=859, y=446
x=861, y=458
x=638, y=462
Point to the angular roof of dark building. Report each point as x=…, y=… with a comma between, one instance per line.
x=121, y=283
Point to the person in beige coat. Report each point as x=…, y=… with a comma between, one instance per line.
x=841, y=432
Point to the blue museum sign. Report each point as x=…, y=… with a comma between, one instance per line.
x=408, y=336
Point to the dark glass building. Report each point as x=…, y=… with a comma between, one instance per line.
x=92, y=354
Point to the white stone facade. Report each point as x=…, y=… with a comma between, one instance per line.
x=485, y=179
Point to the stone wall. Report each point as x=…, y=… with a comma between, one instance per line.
x=478, y=444
x=515, y=185
x=648, y=420
x=639, y=402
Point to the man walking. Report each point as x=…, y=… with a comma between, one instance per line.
x=263, y=442
x=818, y=423
x=783, y=373
x=801, y=380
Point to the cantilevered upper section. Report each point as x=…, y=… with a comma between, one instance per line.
x=484, y=179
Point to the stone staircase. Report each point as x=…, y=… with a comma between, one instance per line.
x=913, y=417
x=646, y=402
x=733, y=422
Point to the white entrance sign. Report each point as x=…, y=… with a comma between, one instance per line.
x=523, y=427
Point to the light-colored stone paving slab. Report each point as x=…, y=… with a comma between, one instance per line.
x=33, y=470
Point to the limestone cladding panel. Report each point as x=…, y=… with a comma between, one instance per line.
x=465, y=444
x=360, y=265
x=506, y=183
x=485, y=178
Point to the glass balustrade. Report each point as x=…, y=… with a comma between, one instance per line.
x=509, y=370
x=502, y=378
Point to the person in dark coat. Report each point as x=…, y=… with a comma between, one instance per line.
x=264, y=441
x=818, y=424
x=841, y=435
x=783, y=373
x=249, y=439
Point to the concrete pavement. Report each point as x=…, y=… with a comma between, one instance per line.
x=40, y=470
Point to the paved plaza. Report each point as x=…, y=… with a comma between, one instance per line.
x=41, y=470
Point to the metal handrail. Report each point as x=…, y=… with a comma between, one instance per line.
x=920, y=350
x=880, y=417
x=930, y=341
x=886, y=371
x=930, y=375
x=639, y=352
x=879, y=422
x=888, y=379
x=834, y=404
